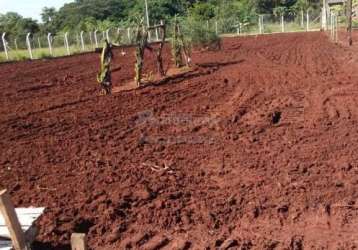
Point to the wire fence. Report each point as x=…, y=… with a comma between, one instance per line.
x=35, y=46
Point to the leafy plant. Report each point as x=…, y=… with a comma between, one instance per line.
x=200, y=35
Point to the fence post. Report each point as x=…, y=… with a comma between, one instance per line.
x=336, y=28
x=91, y=40
x=28, y=43
x=78, y=241
x=216, y=28
x=107, y=35
x=308, y=21
x=78, y=42
x=16, y=47
x=5, y=45
x=302, y=19
x=95, y=38
x=129, y=34
x=261, y=24
x=67, y=45
x=82, y=41
x=333, y=30
x=331, y=24
x=157, y=34
x=118, y=38
x=39, y=42
x=282, y=23
x=49, y=43
x=324, y=16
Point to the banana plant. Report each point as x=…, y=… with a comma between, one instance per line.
x=104, y=76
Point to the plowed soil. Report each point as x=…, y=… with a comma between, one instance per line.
x=257, y=148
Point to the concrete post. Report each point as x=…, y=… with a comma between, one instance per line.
x=49, y=41
x=28, y=43
x=157, y=34
x=90, y=37
x=324, y=15
x=95, y=38
x=129, y=34
x=67, y=44
x=5, y=45
x=39, y=42
x=302, y=20
x=16, y=47
x=107, y=35
x=308, y=21
x=261, y=24
x=82, y=41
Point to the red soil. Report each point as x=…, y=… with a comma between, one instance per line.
x=256, y=149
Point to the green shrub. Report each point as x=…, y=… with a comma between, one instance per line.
x=200, y=35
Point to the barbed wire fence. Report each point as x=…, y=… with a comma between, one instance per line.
x=37, y=46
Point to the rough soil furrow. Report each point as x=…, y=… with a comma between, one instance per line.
x=255, y=149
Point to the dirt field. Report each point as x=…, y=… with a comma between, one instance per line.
x=255, y=149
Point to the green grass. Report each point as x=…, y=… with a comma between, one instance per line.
x=275, y=28
x=289, y=27
x=23, y=54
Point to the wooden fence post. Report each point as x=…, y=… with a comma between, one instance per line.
x=78, y=241
x=12, y=222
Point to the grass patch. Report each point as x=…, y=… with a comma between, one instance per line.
x=23, y=54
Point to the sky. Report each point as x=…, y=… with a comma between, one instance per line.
x=30, y=8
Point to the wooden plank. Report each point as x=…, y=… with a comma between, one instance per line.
x=5, y=245
x=30, y=210
x=8, y=212
x=78, y=241
x=30, y=235
x=26, y=217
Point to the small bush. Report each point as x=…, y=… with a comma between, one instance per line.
x=20, y=57
x=44, y=55
x=200, y=35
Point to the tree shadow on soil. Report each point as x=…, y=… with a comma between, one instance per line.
x=210, y=68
